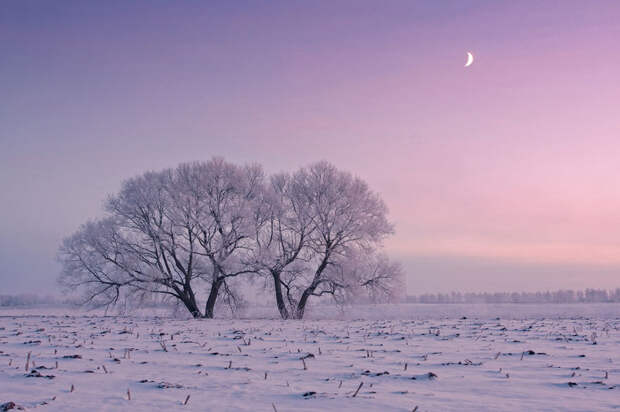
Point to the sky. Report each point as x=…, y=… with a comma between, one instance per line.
x=498, y=176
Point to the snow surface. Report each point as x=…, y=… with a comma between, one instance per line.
x=544, y=358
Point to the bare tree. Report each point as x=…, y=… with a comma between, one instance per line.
x=283, y=228
x=188, y=232
x=345, y=219
x=165, y=232
x=145, y=245
x=228, y=197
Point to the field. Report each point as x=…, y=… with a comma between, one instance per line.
x=432, y=357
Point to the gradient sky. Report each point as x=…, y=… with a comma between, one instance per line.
x=499, y=176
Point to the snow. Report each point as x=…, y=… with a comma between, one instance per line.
x=435, y=357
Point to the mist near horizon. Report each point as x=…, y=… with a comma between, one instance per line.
x=498, y=177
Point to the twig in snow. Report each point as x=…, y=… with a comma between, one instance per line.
x=358, y=389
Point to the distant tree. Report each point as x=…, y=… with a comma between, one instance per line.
x=26, y=299
x=558, y=296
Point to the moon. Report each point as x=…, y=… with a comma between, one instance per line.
x=470, y=59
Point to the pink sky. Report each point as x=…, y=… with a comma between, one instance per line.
x=499, y=176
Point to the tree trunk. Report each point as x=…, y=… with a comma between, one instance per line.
x=279, y=298
x=210, y=306
x=301, y=306
x=189, y=301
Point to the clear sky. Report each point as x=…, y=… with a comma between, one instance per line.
x=499, y=176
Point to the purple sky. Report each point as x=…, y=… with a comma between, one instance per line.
x=499, y=176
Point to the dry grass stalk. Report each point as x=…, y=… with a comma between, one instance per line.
x=358, y=389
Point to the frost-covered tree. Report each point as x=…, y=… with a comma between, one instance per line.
x=145, y=245
x=227, y=198
x=187, y=233
x=284, y=226
x=166, y=233
x=345, y=220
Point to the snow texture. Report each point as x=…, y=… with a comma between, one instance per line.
x=462, y=363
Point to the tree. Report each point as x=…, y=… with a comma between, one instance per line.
x=227, y=198
x=283, y=228
x=345, y=220
x=187, y=233
x=145, y=245
x=163, y=233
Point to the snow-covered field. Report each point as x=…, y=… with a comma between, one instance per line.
x=433, y=357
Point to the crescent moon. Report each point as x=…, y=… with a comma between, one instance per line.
x=470, y=59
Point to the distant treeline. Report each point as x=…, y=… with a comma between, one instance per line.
x=27, y=299
x=558, y=296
